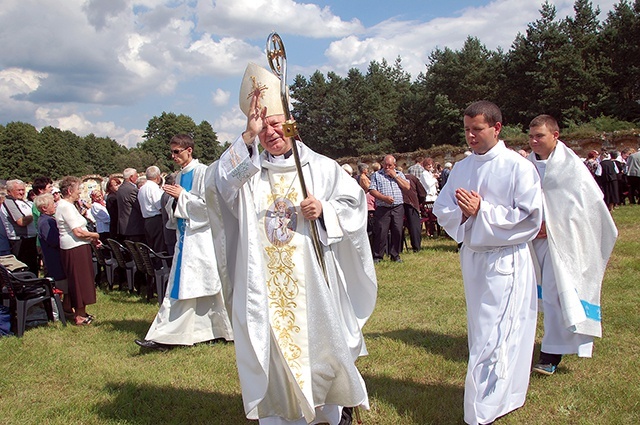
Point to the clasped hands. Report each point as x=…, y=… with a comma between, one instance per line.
x=173, y=190
x=469, y=202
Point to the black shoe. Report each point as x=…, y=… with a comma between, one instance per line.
x=152, y=345
x=347, y=416
x=397, y=260
x=376, y=260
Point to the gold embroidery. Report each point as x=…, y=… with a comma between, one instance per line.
x=282, y=189
x=283, y=288
x=257, y=86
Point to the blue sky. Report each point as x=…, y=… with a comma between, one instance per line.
x=108, y=66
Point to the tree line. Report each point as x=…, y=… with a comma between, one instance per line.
x=578, y=69
x=28, y=153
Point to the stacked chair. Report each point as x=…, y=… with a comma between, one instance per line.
x=108, y=264
x=21, y=291
x=124, y=261
x=157, y=266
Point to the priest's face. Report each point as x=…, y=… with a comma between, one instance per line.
x=272, y=136
x=542, y=140
x=480, y=136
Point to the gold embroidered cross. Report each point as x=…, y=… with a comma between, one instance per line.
x=257, y=86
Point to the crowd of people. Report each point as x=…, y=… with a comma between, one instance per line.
x=275, y=249
x=396, y=201
x=617, y=175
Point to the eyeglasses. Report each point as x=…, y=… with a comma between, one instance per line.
x=177, y=151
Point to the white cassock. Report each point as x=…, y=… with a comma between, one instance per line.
x=573, y=258
x=296, y=337
x=498, y=275
x=193, y=309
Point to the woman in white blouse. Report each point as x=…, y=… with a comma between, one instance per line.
x=75, y=251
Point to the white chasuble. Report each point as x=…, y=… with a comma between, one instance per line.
x=283, y=253
x=297, y=336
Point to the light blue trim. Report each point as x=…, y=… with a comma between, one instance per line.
x=186, y=181
x=592, y=311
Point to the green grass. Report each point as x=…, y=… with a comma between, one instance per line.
x=414, y=372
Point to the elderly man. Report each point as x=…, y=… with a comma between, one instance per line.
x=193, y=309
x=297, y=324
x=571, y=249
x=492, y=205
x=150, y=200
x=18, y=219
x=130, y=221
x=386, y=186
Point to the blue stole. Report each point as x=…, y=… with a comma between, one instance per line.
x=186, y=182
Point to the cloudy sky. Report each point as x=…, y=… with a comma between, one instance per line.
x=108, y=66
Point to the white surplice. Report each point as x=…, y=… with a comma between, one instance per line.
x=498, y=276
x=193, y=309
x=573, y=258
x=297, y=336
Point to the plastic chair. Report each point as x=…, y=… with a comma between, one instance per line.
x=124, y=261
x=137, y=259
x=22, y=293
x=108, y=264
x=157, y=267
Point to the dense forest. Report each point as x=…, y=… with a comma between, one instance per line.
x=583, y=70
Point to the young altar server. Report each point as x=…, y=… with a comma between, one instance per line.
x=492, y=205
x=572, y=248
x=193, y=309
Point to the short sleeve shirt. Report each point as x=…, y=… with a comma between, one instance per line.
x=69, y=218
x=384, y=184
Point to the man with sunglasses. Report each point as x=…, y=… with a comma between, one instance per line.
x=492, y=206
x=193, y=309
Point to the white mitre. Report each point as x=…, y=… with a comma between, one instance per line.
x=258, y=77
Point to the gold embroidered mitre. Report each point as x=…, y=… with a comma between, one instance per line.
x=256, y=77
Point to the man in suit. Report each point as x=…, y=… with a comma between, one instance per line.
x=130, y=221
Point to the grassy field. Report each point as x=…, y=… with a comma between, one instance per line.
x=414, y=372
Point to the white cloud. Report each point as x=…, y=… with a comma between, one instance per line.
x=15, y=84
x=66, y=118
x=222, y=58
x=229, y=125
x=220, y=97
x=255, y=18
x=495, y=25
